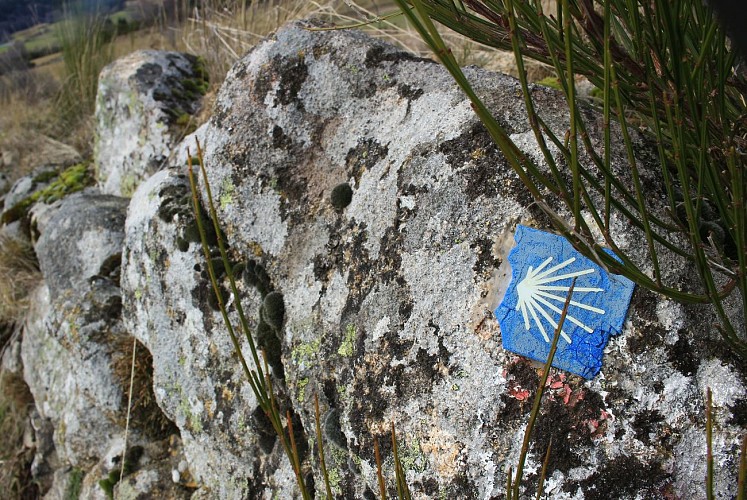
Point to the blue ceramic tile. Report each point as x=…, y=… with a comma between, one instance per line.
x=543, y=266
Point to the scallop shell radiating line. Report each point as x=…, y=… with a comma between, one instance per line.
x=535, y=294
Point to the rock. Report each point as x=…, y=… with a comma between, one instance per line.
x=144, y=106
x=67, y=355
x=388, y=300
x=77, y=354
x=82, y=240
x=27, y=185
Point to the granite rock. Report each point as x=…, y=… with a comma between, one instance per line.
x=389, y=300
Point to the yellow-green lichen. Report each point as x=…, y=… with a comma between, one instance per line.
x=302, y=389
x=138, y=294
x=305, y=351
x=342, y=392
x=348, y=344
x=193, y=421
x=128, y=185
x=226, y=197
x=412, y=457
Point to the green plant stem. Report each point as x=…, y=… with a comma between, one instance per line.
x=320, y=443
x=709, y=445
x=259, y=378
x=263, y=390
x=379, y=473
x=538, y=396
x=543, y=472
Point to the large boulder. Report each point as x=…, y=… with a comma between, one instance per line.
x=74, y=327
x=77, y=354
x=388, y=289
x=145, y=103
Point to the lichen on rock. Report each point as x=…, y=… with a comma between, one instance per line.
x=388, y=302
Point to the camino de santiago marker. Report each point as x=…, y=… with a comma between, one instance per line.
x=543, y=267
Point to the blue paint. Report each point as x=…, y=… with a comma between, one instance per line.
x=543, y=267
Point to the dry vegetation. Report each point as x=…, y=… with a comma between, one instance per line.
x=221, y=31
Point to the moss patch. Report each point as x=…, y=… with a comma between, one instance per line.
x=67, y=182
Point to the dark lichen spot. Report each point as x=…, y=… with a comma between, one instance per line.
x=363, y=157
x=218, y=267
x=520, y=374
x=480, y=162
x=266, y=434
x=212, y=299
x=269, y=342
x=182, y=244
x=333, y=430
x=739, y=413
x=623, y=477
x=646, y=423
x=255, y=276
x=111, y=267
x=681, y=355
x=302, y=443
x=147, y=75
x=341, y=196
x=647, y=336
x=567, y=424
x=486, y=263
x=407, y=92
x=292, y=74
x=380, y=53
x=279, y=139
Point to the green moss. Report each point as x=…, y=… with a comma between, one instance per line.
x=551, y=81
x=72, y=492
x=45, y=176
x=108, y=487
x=183, y=119
x=200, y=69
x=348, y=344
x=68, y=181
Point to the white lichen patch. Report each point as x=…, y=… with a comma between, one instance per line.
x=725, y=384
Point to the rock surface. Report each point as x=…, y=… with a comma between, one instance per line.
x=144, y=105
x=74, y=328
x=388, y=299
x=76, y=352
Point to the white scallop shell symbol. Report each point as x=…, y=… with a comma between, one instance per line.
x=534, y=292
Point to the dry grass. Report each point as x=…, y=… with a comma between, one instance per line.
x=19, y=274
x=221, y=32
x=15, y=457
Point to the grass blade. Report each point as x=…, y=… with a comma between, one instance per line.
x=320, y=443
